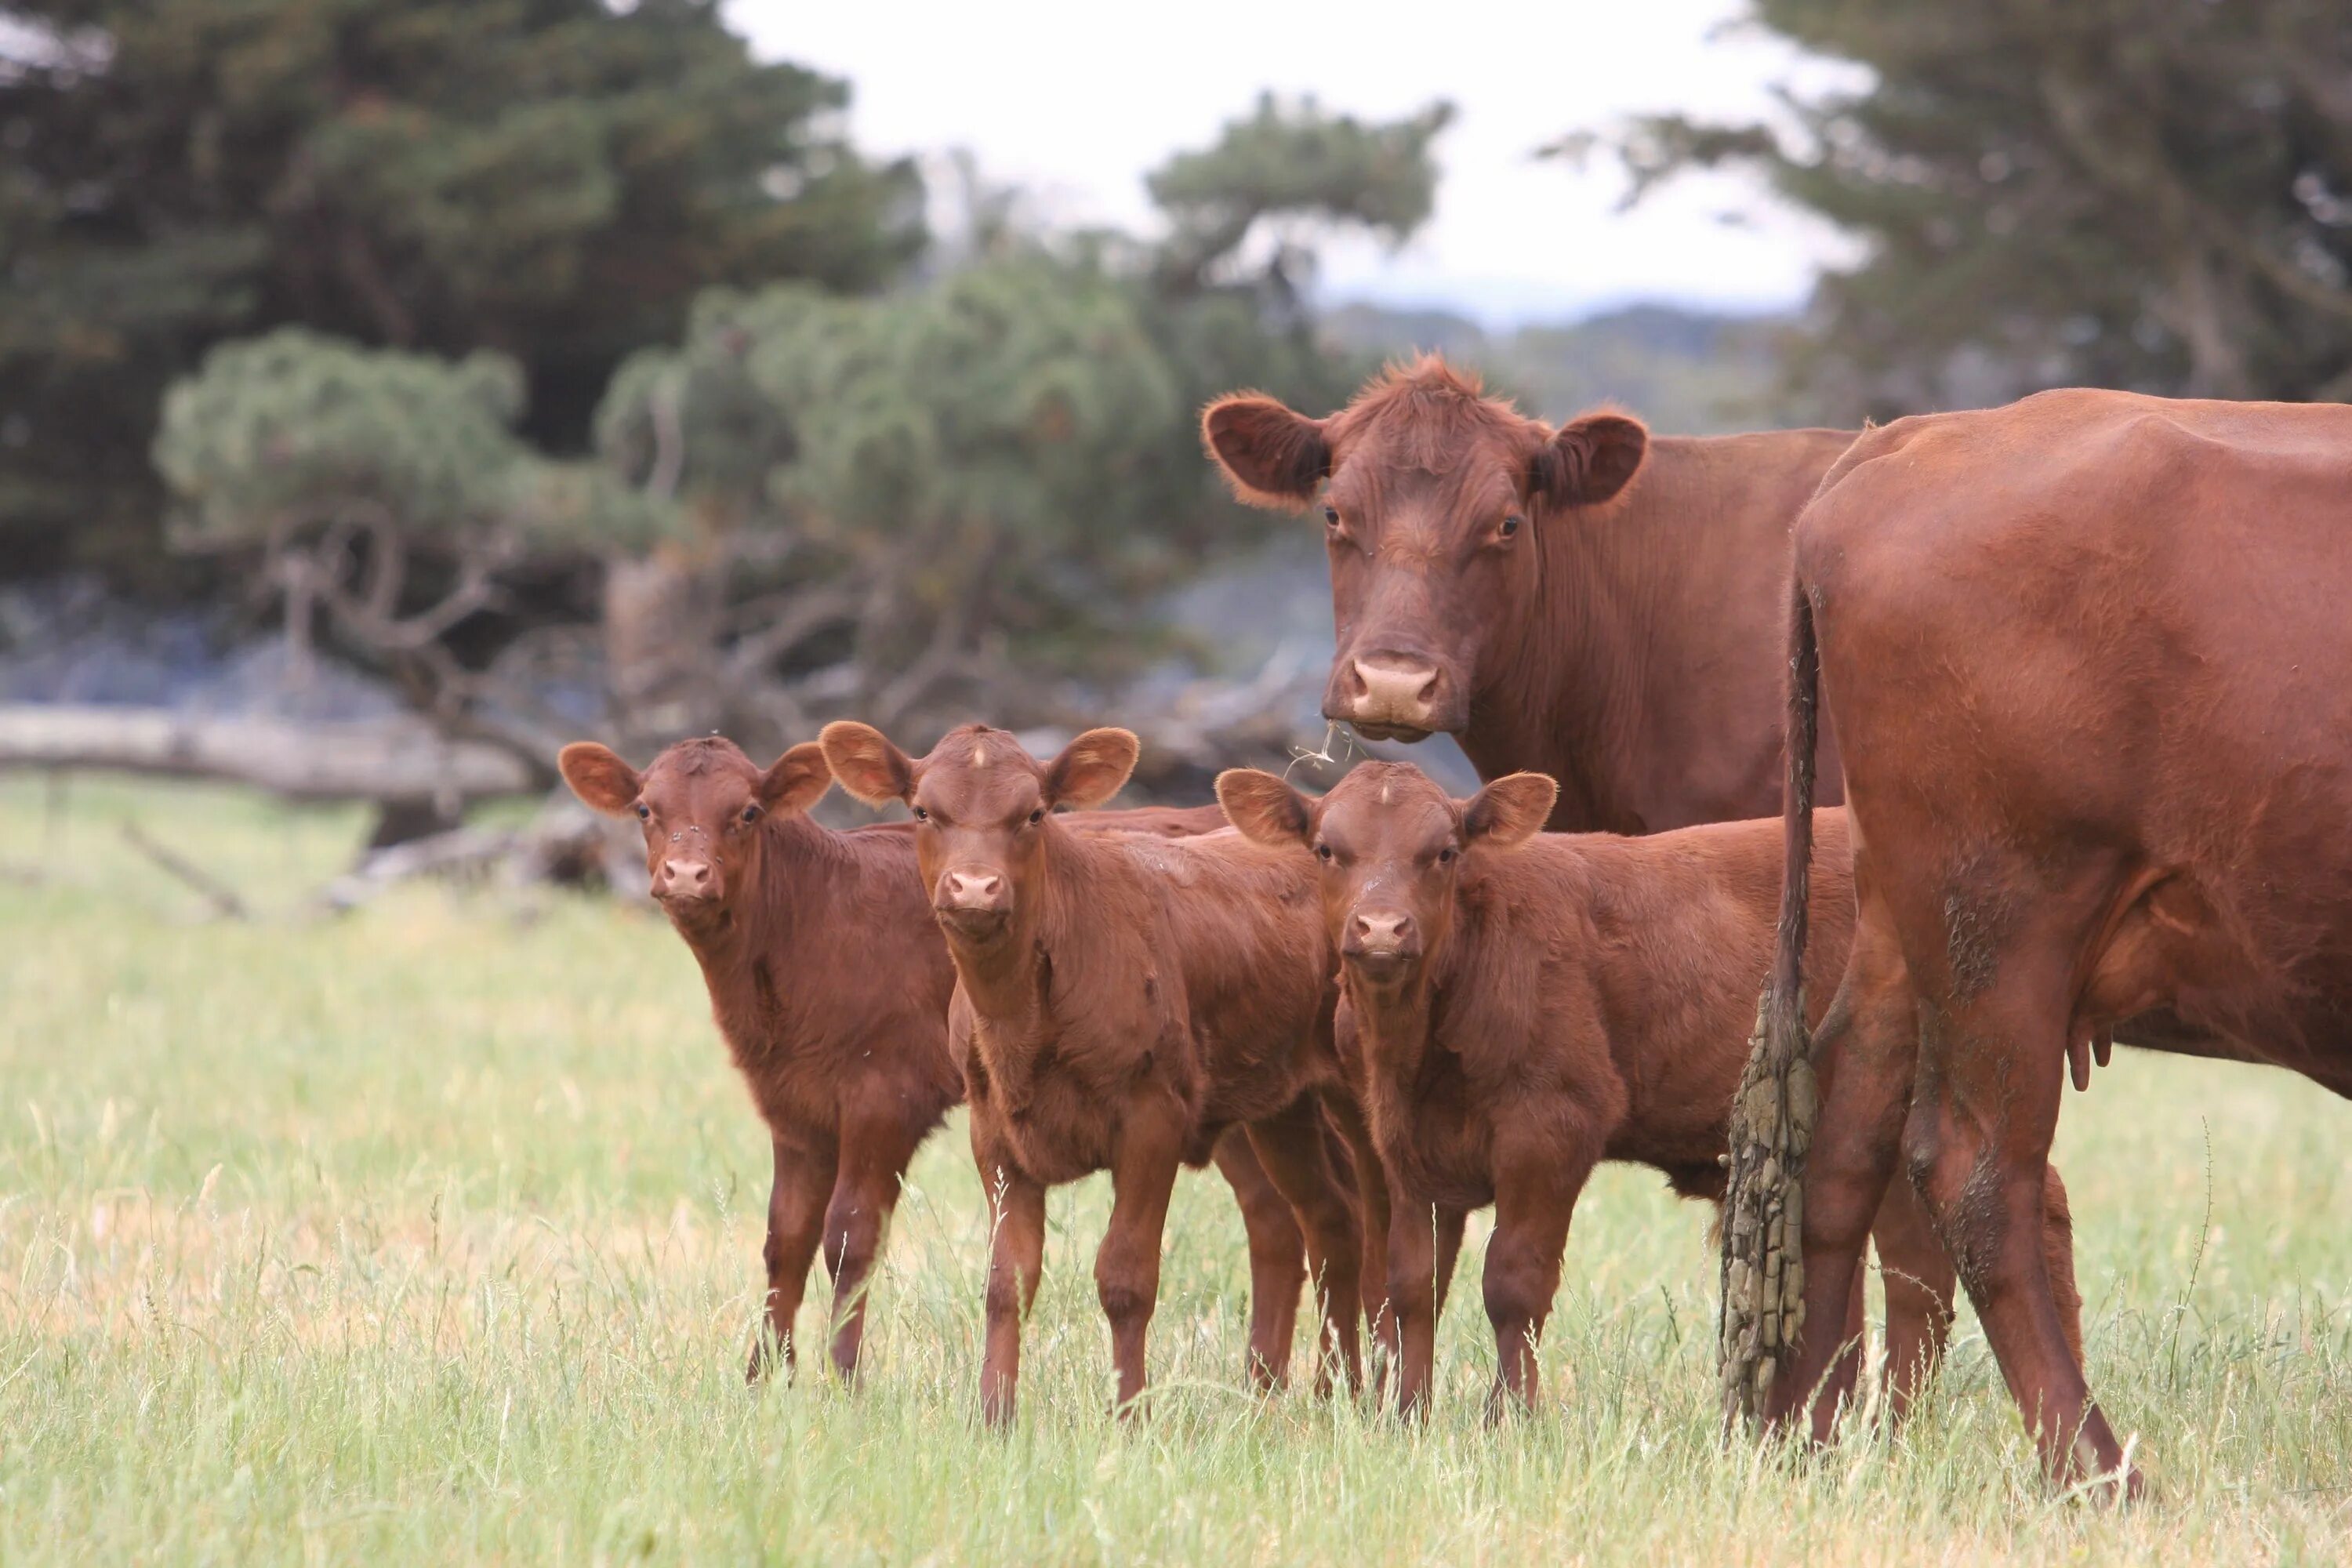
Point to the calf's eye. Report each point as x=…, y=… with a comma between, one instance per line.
x=1331, y=516
x=750, y=814
x=1445, y=856
x=921, y=816
x=1036, y=817
x=1510, y=527
x=1323, y=852
x=645, y=812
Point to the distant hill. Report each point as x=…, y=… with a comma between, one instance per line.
x=1686, y=372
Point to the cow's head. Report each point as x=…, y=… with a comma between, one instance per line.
x=700, y=805
x=983, y=811
x=1436, y=499
x=1389, y=846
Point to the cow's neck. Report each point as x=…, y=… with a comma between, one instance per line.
x=745, y=953
x=1010, y=980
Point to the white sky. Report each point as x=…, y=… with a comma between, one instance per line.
x=1077, y=101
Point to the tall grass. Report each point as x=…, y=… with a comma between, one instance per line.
x=432, y=1233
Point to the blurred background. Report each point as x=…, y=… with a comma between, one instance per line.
x=393, y=390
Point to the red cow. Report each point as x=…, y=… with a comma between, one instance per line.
x=1592, y=603
x=1120, y=1003
x=2090, y=660
x=1528, y=1004
x=830, y=985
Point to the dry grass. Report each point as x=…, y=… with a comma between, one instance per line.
x=432, y=1235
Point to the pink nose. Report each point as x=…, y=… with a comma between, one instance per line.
x=684, y=877
x=1392, y=691
x=970, y=890
x=1382, y=932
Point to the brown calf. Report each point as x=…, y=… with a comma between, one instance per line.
x=829, y=982
x=1120, y=1003
x=2090, y=657
x=1528, y=1004
x=1592, y=601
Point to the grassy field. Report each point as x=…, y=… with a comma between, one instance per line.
x=432, y=1233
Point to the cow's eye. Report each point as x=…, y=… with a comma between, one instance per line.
x=1036, y=817
x=1331, y=516
x=645, y=812
x=1323, y=852
x=921, y=816
x=1510, y=526
x=1445, y=856
x=750, y=814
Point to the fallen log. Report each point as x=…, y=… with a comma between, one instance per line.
x=399, y=760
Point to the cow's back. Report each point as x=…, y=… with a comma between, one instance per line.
x=2096, y=621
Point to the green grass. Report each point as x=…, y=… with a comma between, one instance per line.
x=431, y=1234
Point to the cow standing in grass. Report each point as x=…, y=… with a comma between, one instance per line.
x=830, y=985
x=1120, y=1003
x=2090, y=658
x=1526, y=1005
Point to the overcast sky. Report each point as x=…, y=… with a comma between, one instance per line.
x=1077, y=101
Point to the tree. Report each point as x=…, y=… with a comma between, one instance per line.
x=550, y=179
x=2150, y=194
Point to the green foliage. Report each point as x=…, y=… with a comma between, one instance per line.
x=294, y=428
x=2154, y=194
x=553, y=178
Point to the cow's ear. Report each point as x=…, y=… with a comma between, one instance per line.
x=797, y=780
x=1275, y=458
x=1091, y=768
x=1510, y=811
x=1591, y=460
x=869, y=766
x=1265, y=809
x=599, y=777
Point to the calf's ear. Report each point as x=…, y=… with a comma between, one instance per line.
x=1273, y=457
x=869, y=766
x=796, y=780
x=1091, y=768
x=1591, y=460
x=1510, y=811
x=599, y=777
x=1265, y=809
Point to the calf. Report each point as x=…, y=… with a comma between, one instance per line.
x=829, y=982
x=1525, y=1006
x=1120, y=1003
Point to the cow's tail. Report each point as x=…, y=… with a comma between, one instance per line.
x=1772, y=1117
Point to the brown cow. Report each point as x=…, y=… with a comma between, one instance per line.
x=1120, y=1003
x=1592, y=603
x=829, y=982
x=2090, y=658
x=1528, y=1004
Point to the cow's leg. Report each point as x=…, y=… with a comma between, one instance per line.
x=1978, y=1142
x=1413, y=1299
x=1278, y=1254
x=1534, y=1194
x=1016, y=1252
x=2058, y=1255
x=874, y=1159
x=1449, y=1253
x=1373, y=1209
x=795, y=1219
x=1863, y=1054
x=1126, y=1265
x=1290, y=1144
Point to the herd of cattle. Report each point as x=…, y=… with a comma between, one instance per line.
x=2080, y=669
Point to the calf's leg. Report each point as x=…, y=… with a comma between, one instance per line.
x=795, y=1219
x=1534, y=1197
x=1126, y=1265
x=1363, y=1163
x=1290, y=1144
x=1016, y=1251
x=1278, y=1254
x=873, y=1160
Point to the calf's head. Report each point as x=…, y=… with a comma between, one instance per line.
x=1436, y=503
x=983, y=810
x=1390, y=847
x=700, y=804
